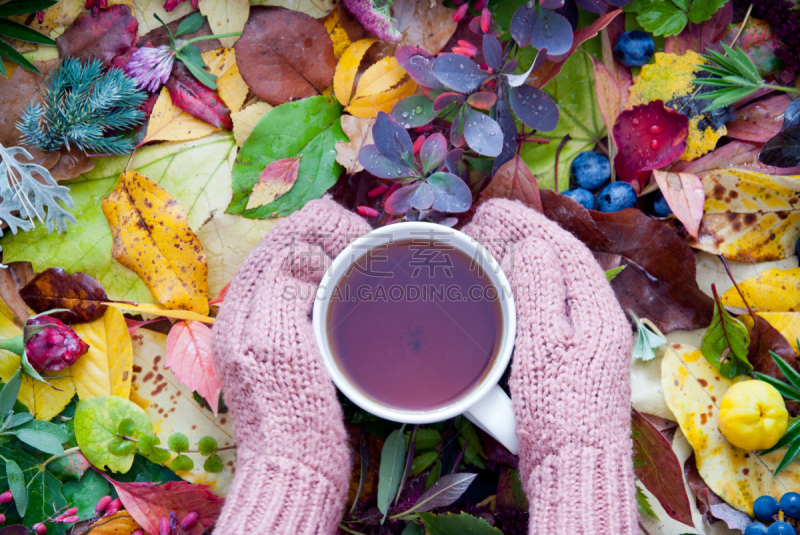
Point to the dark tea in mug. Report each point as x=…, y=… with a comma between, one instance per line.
x=415, y=325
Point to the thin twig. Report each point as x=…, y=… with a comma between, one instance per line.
x=128, y=165
x=728, y=269
x=744, y=23
x=558, y=155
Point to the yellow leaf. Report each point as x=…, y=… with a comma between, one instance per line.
x=172, y=409
x=346, y=69
x=786, y=323
x=43, y=400
x=245, y=120
x=221, y=62
x=380, y=76
x=370, y=106
x=149, y=11
x=225, y=16
x=170, y=123
x=315, y=8
x=749, y=216
x=776, y=290
x=105, y=370
x=339, y=37
x=693, y=389
x=159, y=310
x=117, y=524
x=153, y=239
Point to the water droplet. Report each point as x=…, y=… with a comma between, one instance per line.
x=636, y=121
x=405, y=114
x=654, y=144
x=418, y=109
x=656, y=128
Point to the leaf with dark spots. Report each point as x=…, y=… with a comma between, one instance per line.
x=782, y=150
x=110, y=33
x=447, y=99
x=534, y=107
x=709, y=504
x=379, y=165
x=648, y=137
x=285, y=55
x=482, y=133
x=78, y=292
x=459, y=73
x=553, y=32
x=483, y=100
x=492, y=52
x=392, y=140
x=514, y=180
x=661, y=471
x=508, y=126
x=418, y=63
x=196, y=99
x=450, y=193
x=763, y=339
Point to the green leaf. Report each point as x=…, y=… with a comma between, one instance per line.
x=460, y=524
x=20, y=418
x=181, y=463
x=308, y=128
x=119, y=447
x=147, y=443
x=792, y=434
x=178, y=442
x=57, y=430
x=423, y=461
x=126, y=427
x=23, y=7
x=644, y=505
x=424, y=439
x=702, y=10
x=391, y=469
x=612, y=273
x=726, y=333
x=580, y=117
x=190, y=24
x=433, y=477
x=474, y=452
x=41, y=440
x=202, y=75
x=96, y=421
x=16, y=484
x=213, y=464
x=15, y=57
x=663, y=18
x=10, y=393
x=207, y=446
x=44, y=490
x=15, y=30
x=413, y=529
x=791, y=455
x=159, y=456
x=85, y=493
x=29, y=370
x=197, y=173
x=784, y=389
x=646, y=341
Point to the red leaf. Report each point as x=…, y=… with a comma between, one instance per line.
x=514, y=180
x=110, y=33
x=135, y=325
x=684, y=194
x=220, y=296
x=276, y=179
x=698, y=37
x=648, y=137
x=196, y=99
x=190, y=358
x=757, y=121
x=661, y=473
x=731, y=155
x=78, y=292
x=147, y=503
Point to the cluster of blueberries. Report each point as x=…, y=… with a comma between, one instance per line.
x=767, y=509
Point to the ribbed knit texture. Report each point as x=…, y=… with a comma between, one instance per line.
x=569, y=380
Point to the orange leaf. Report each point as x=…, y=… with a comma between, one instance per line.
x=190, y=358
x=117, y=524
x=346, y=69
x=275, y=180
x=684, y=194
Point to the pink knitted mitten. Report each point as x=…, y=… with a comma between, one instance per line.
x=292, y=461
x=569, y=377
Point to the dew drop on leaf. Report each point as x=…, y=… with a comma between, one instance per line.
x=656, y=129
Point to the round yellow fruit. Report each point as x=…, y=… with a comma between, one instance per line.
x=753, y=415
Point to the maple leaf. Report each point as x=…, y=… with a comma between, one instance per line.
x=190, y=359
x=275, y=180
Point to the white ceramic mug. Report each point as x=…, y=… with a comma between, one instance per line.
x=486, y=404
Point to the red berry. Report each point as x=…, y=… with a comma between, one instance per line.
x=486, y=20
x=59, y=519
x=377, y=190
x=2, y=518
x=40, y=16
x=138, y=532
x=103, y=4
x=89, y=4
x=39, y=529
x=163, y=526
x=467, y=45
x=71, y=519
x=113, y=507
x=189, y=520
x=102, y=503
x=463, y=51
x=366, y=211
x=418, y=144
x=6, y=497
x=460, y=12
x=71, y=511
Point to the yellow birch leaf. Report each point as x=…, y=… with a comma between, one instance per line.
x=153, y=239
x=159, y=310
x=694, y=389
x=170, y=123
x=776, y=290
x=314, y=8
x=370, y=106
x=221, y=62
x=381, y=76
x=749, y=216
x=338, y=35
x=105, y=370
x=786, y=323
x=245, y=120
x=172, y=409
x=44, y=401
x=345, y=75
x=119, y=523
x=225, y=16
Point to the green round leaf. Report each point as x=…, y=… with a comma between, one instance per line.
x=181, y=463
x=119, y=447
x=96, y=426
x=147, y=443
x=213, y=464
x=159, y=456
x=207, y=445
x=126, y=427
x=178, y=442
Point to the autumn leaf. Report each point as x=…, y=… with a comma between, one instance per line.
x=147, y=503
x=345, y=75
x=12, y=279
x=369, y=106
x=684, y=194
x=608, y=93
x=152, y=238
x=786, y=323
x=170, y=123
x=103, y=36
x=105, y=370
x=775, y=290
x=764, y=340
x=196, y=99
x=341, y=41
x=225, y=16
x=514, y=180
x=245, y=120
x=428, y=25
x=315, y=8
x=161, y=311
x=221, y=62
x=77, y=292
x=756, y=121
x=275, y=180
x=119, y=523
x=190, y=359
x=359, y=131
x=149, y=11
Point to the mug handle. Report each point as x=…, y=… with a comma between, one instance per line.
x=495, y=415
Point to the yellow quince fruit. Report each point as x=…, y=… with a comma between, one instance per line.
x=753, y=415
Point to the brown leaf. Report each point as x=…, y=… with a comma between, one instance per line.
x=110, y=33
x=609, y=97
x=424, y=24
x=514, y=180
x=78, y=292
x=12, y=279
x=359, y=132
x=763, y=339
x=575, y=219
x=734, y=154
x=622, y=74
x=71, y=164
x=759, y=121
x=285, y=55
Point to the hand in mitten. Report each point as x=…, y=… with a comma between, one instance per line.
x=292, y=461
x=569, y=376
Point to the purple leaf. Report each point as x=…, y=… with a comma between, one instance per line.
x=619, y=3
x=482, y=133
x=782, y=150
x=418, y=64
x=551, y=31
x=457, y=129
x=553, y=4
x=412, y=112
x=593, y=6
x=459, y=73
x=379, y=165
x=399, y=202
x=446, y=99
x=422, y=199
x=522, y=25
x=444, y=492
x=392, y=140
x=508, y=126
x=432, y=152
x=456, y=165
x=450, y=193
x=492, y=52
x=534, y=107
x=516, y=80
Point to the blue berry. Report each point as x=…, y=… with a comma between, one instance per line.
x=615, y=197
x=780, y=528
x=791, y=117
x=634, y=49
x=581, y=196
x=756, y=528
x=662, y=209
x=790, y=504
x=590, y=170
x=765, y=508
